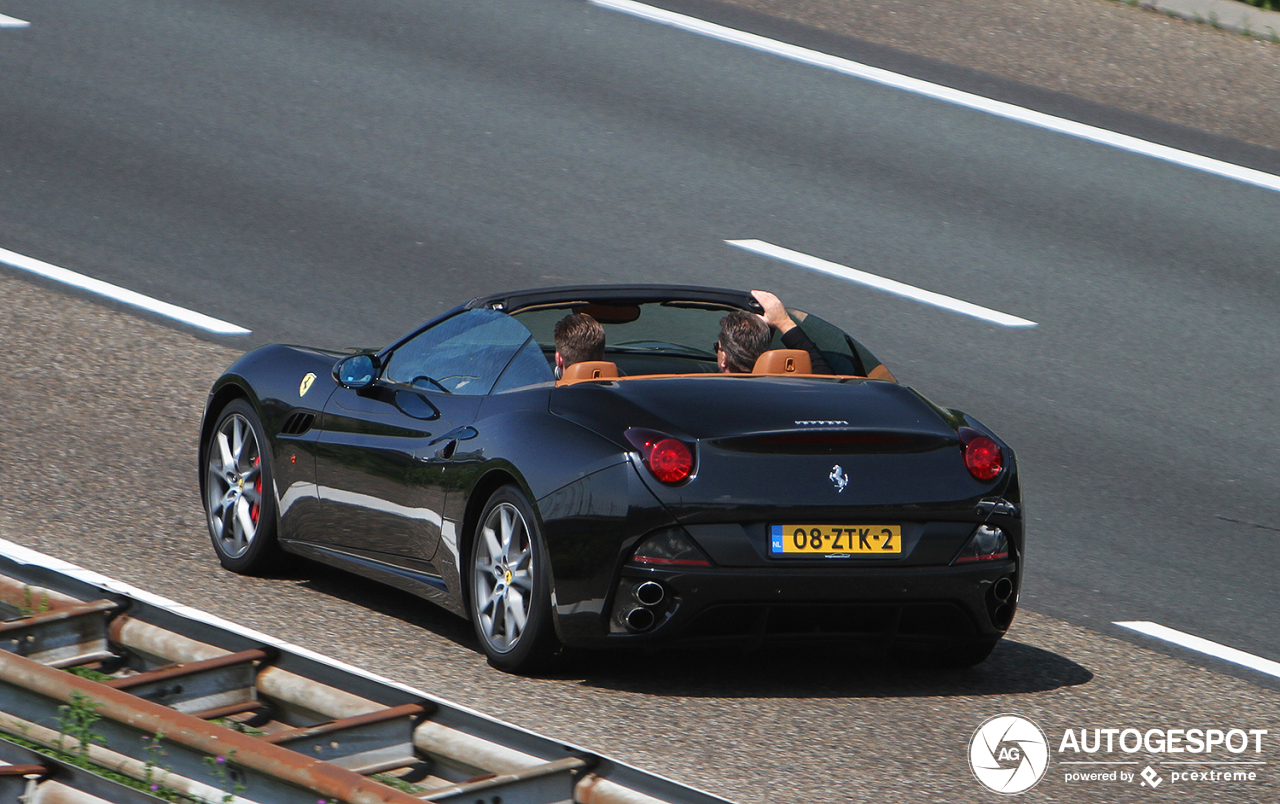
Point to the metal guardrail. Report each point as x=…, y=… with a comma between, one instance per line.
x=96, y=674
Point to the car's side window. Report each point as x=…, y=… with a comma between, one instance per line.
x=528, y=367
x=464, y=354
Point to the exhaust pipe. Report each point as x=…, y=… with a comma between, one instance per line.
x=639, y=619
x=1002, y=590
x=1002, y=616
x=649, y=593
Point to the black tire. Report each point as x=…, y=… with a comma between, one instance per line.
x=508, y=579
x=239, y=498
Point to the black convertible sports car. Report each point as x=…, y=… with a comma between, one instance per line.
x=640, y=499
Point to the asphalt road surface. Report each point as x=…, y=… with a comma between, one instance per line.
x=334, y=173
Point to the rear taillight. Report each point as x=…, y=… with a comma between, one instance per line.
x=668, y=459
x=982, y=456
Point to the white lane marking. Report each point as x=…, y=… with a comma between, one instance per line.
x=11, y=22
x=1201, y=645
x=880, y=283
x=977, y=102
x=199, y=320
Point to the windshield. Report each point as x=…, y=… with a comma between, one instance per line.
x=654, y=338
x=676, y=337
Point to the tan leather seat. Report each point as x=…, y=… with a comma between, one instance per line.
x=783, y=361
x=590, y=370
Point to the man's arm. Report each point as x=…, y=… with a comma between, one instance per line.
x=775, y=315
x=795, y=338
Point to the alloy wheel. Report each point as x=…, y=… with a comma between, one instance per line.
x=504, y=574
x=234, y=486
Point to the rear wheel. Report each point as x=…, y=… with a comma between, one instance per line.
x=238, y=501
x=509, y=585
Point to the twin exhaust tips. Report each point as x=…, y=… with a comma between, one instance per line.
x=1002, y=611
x=641, y=618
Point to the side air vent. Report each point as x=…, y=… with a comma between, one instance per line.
x=297, y=423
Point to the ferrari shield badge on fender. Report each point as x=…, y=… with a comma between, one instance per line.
x=839, y=478
x=306, y=384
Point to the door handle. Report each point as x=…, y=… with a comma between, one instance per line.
x=456, y=434
x=452, y=438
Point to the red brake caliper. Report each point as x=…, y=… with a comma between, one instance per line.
x=257, y=486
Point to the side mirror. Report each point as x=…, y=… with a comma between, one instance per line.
x=356, y=371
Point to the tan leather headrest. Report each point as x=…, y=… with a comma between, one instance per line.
x=590, y=370
x=783, y=361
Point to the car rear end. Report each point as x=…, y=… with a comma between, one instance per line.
x=809, y=509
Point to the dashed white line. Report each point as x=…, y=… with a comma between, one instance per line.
x=117, y=293
x=938, y=92
x=12, y=22
x=881, y=283
x=1205, y=646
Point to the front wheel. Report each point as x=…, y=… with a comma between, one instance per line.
x=510, y=587
x=238, y=499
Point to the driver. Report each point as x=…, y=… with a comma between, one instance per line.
x=743, y=338
x=579, y=338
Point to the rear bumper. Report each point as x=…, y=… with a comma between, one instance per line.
x=904, y=605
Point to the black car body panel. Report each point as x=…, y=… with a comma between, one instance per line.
x=388, y=480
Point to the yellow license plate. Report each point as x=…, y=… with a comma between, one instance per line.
x=881, y=540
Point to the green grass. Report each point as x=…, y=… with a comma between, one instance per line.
x=159, y=791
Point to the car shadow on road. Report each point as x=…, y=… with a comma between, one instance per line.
x=385, y=600
x=824, y=671
x=794, y=670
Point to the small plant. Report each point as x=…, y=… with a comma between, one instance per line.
x=91, y=675
x=218, y=765
x=236, y=725
x=153, y=774
x=156, y=789
x=76, y=720
x=398, y=783
x=29, y=607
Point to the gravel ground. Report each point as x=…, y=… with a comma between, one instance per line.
x=1123, y=56
x=98, y=418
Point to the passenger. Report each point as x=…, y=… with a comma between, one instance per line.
x=743, y=338
x=578, y=338
x=793, y=337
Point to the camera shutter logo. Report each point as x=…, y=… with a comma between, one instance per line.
x=1008, y=754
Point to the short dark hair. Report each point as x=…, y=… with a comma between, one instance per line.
x=743, y=338
x=578, y=338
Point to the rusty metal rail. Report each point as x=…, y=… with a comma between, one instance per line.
x=113, y=678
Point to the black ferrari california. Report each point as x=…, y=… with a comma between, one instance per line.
x=638, y=500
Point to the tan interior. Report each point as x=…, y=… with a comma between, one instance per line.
x=590, y=370
x=783, y=361
x=776, y=362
